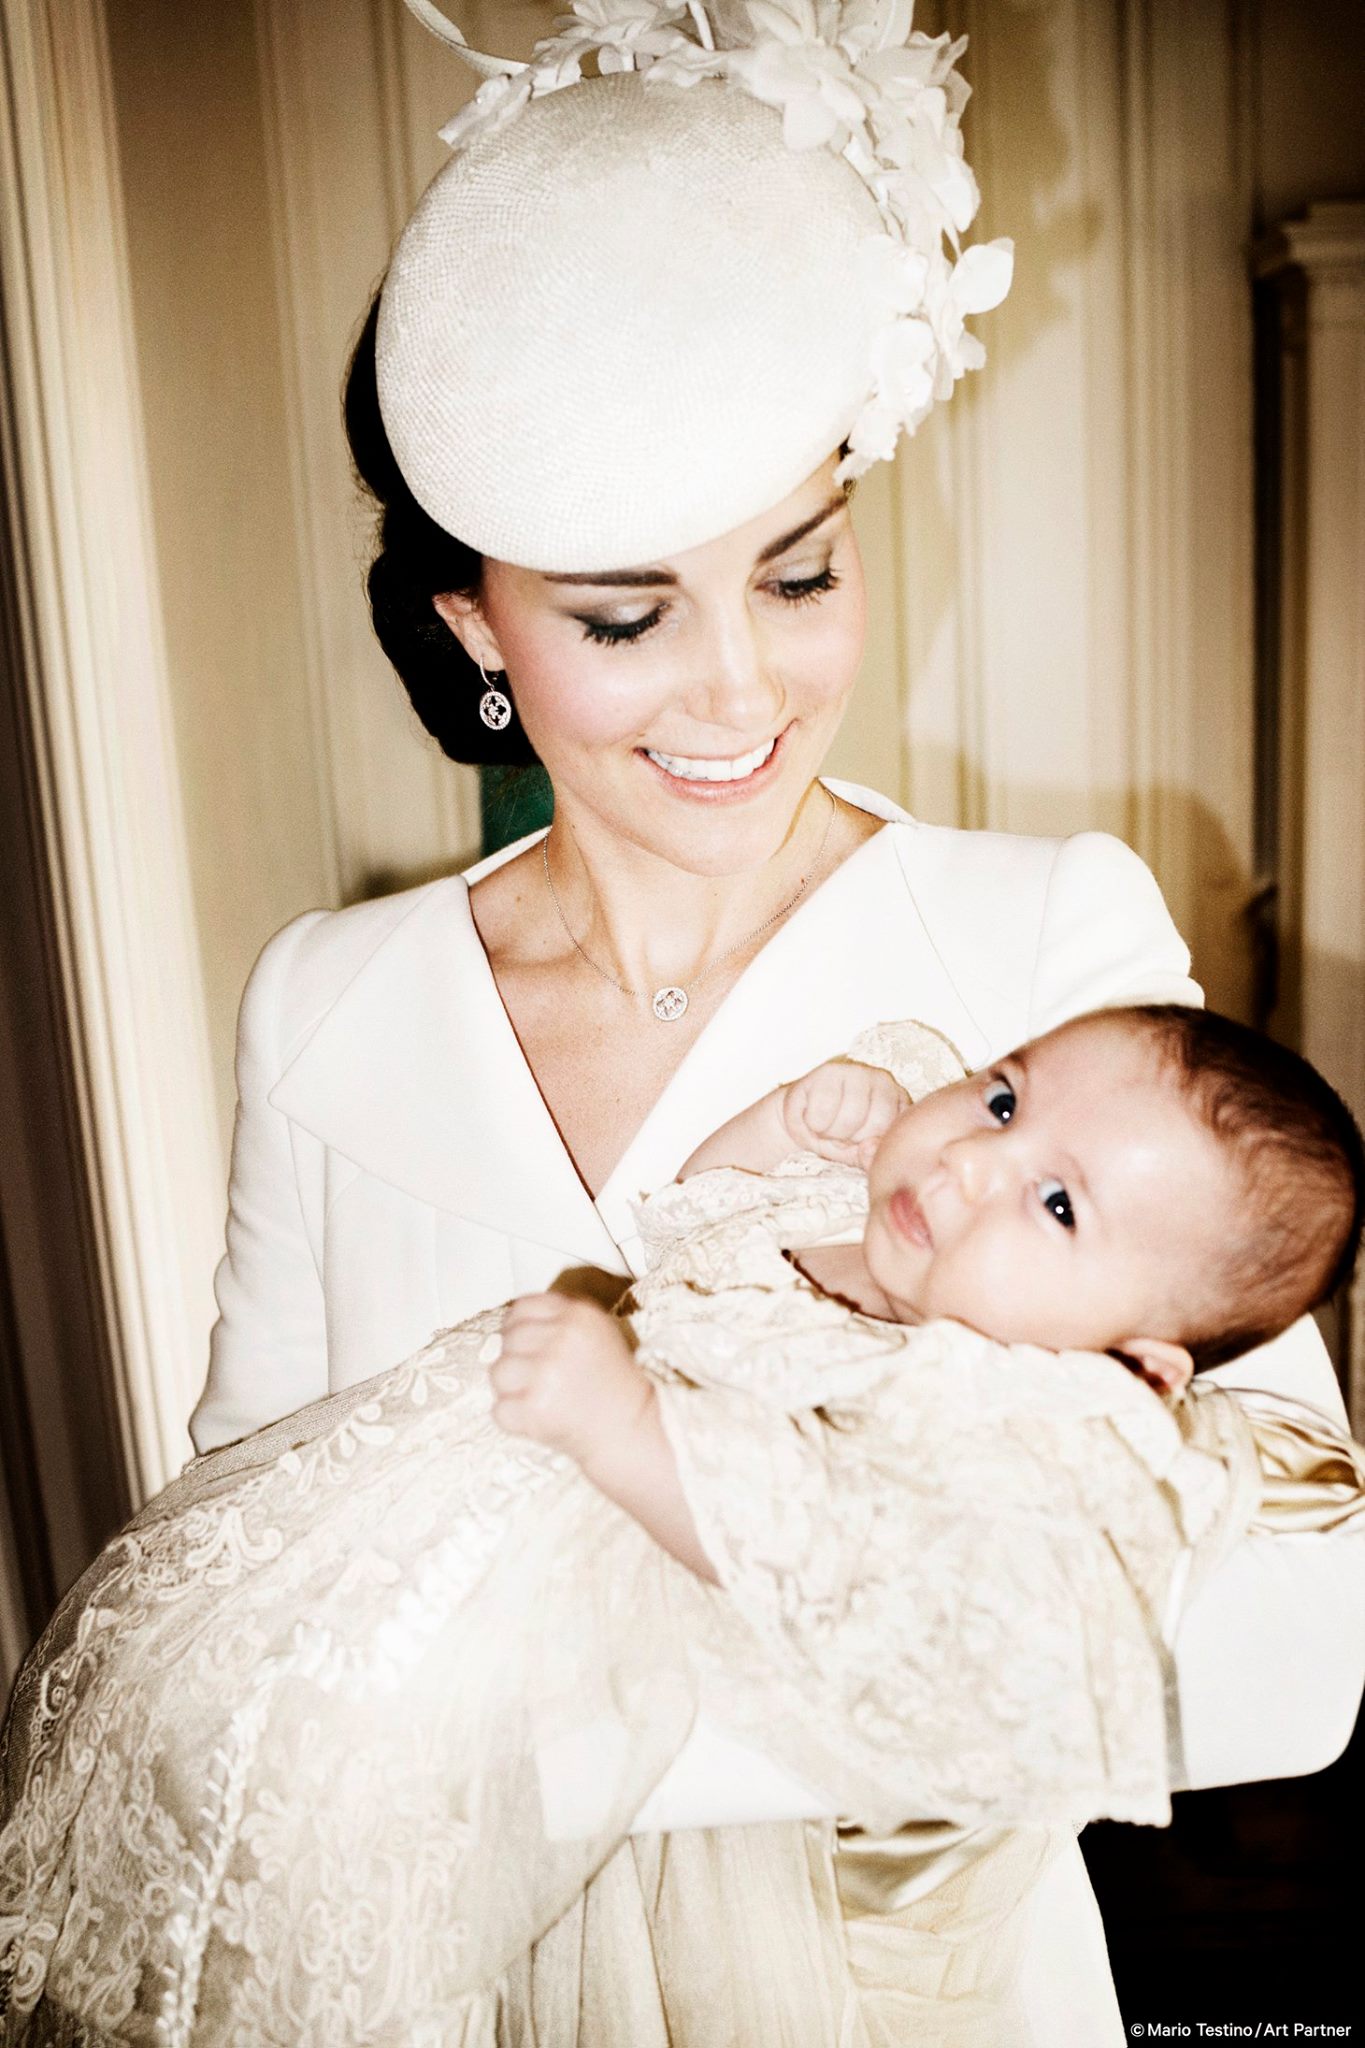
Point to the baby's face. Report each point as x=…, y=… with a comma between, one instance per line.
x=1068, y=1197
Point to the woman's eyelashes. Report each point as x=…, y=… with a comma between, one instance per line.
x=804, y=589
x=607, y=632
x=619, y=632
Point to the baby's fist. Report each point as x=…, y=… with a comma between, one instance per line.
x=842, y=1110
x=565, y=1376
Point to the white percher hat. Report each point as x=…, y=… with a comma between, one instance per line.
x=637, y=309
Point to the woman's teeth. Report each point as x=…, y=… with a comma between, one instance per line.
x=712, y=771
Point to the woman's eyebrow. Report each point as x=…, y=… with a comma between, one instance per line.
x=658, y=578
x=632, y=579
x=807, y=526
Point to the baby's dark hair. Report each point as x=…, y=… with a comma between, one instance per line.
x=1302, y=1163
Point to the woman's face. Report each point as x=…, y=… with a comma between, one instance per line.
x=685, y=705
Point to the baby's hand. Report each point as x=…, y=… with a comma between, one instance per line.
x=566, y=1376
x=842, y=1110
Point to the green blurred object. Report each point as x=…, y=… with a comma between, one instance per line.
x=512, y=802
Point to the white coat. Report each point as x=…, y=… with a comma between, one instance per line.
x=395, y=1169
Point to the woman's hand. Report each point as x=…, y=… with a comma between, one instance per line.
x=566, y=1377
x=842, y=1110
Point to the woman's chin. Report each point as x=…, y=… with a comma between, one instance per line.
x=714, y=837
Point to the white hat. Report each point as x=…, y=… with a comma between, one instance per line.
x=636, y=310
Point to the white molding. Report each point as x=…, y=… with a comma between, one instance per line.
x=107, y=770
x=1190, y=403
x=1325, y=558
x=342, y=166
x=15, y=1632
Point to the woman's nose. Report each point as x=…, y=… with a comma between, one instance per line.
x=737, y=687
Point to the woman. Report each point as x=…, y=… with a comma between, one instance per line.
x=621, y=351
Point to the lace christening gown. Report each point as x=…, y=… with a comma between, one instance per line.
x=328, y=1745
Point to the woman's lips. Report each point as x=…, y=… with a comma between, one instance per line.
x=731, y=790
x=909, y=1220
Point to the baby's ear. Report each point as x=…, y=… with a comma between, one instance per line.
x=1167, y=1367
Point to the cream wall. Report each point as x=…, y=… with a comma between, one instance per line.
x=210, y=358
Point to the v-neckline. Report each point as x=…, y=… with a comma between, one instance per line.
x=683, y=1072
x=413, y=1073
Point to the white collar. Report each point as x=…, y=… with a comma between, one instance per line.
x=415, y=1073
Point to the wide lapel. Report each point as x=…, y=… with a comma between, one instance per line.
x=415, y=1074
x=856, y=953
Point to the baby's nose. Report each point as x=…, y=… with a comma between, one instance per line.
x=975, y=1164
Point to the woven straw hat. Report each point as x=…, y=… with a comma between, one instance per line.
x=631, y=314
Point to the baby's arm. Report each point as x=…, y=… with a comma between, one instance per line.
x=566, y=1377
x=840, y=1110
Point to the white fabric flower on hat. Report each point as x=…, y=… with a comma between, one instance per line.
x=919, y=304
x=622, y=33
x=808, y=79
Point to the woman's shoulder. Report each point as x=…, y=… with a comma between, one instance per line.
x=1029, y=929
x=1001, y=876
x=310, y=962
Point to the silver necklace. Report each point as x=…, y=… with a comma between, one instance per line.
x=670, y=1002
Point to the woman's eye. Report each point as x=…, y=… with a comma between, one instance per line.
x=802, y=589
x=1057, y=1202
x=619, y=632
x=1000, y=1099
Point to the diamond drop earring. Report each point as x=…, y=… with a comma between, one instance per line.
x=495, y=706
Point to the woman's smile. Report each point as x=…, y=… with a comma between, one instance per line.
x=718, y=778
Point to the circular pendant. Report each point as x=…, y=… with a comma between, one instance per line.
x=669, y=1004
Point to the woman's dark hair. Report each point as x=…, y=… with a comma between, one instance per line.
x=417, y=561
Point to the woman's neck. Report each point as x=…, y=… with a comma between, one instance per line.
x=646, y=922
x=601, y=1058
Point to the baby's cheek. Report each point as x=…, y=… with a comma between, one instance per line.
x=987, y=1284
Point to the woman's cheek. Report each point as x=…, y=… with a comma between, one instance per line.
x=576, y=700
x=831, y=655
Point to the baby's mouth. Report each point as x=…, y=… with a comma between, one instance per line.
x=908, y=1219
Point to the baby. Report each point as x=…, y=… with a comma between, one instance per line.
x=1159, y=1183
x=331, y=1743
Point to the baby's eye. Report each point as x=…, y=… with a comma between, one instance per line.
x=619, y=632
x=1057, y=1202
x=1000, y=1099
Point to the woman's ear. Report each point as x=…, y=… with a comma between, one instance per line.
x=466, y=621
x=1167, y=1367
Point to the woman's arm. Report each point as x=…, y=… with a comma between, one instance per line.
x=1271, y=1654
x=268, y=1352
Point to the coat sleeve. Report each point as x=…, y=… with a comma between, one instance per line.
x=268, y=1351
x=1271, y=1653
